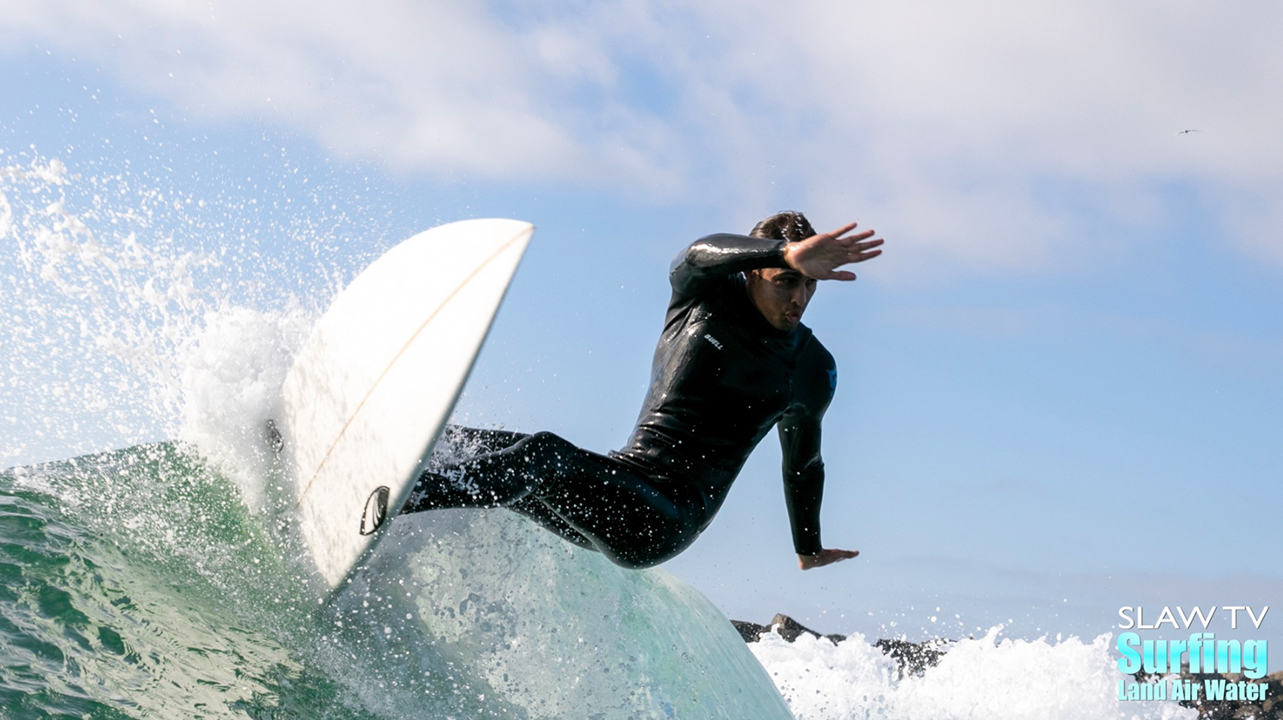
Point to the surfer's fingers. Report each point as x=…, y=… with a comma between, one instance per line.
x=849, y=240
x=832, y=235
x=860, y=252
x=833, y=273
x=862, y=256
x=840, y=231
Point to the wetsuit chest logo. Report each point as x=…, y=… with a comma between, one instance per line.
x=709, y=337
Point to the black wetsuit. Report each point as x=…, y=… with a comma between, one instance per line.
x=721, y=378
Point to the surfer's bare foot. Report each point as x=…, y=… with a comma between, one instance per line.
x=824, y=557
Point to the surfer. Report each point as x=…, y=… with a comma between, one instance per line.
x=733, y=361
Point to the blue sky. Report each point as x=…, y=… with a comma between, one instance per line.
x=1060, y=387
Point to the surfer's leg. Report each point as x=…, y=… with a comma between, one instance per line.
x=451, y=483
x=628, y=521
x=492, y=479
x=542, y=514
x=633, y=519
x=590, y=499
x=479, y=441
x=473, y=442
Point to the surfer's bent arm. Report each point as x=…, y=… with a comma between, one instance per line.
x=714, y=257
x=800, y=432
x=803, y=477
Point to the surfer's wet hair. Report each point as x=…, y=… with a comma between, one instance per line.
x=790, y=225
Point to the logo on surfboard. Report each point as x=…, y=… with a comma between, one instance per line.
x=376, y=510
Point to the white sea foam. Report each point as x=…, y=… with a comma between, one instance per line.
x=231, y=387
x=989, y=677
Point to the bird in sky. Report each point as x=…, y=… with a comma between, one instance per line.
x=1186, y=132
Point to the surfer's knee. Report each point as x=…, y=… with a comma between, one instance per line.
x=547, y=454
x=642, y=555
x=631, y=559
x=547, y=440
x=635, y=563
x=479, y=441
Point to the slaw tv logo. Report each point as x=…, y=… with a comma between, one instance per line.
x=1179, y=662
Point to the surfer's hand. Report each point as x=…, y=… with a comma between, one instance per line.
x=820, y=255
x=824, y=557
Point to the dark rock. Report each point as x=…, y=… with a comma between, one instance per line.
x=782, y=625
x=1273, y=705
x=791, y=630
x=1270, y=709
x=912, y=658
x=751, y=632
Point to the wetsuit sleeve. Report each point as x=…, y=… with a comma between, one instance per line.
x=799, y=430
x=714, y=257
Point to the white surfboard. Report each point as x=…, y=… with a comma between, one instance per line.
x=372, y=388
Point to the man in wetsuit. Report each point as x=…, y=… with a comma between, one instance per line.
x=733, y=361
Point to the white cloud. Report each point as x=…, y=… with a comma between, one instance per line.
x=430, y=86
x=949, y=122
x=947, y=125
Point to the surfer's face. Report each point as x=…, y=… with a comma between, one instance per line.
x=780, y=295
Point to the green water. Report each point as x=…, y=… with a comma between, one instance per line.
x=136, y=584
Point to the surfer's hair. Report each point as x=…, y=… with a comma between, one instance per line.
x=790, y=226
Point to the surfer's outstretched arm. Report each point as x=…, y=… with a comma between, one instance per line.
x=713, y=257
